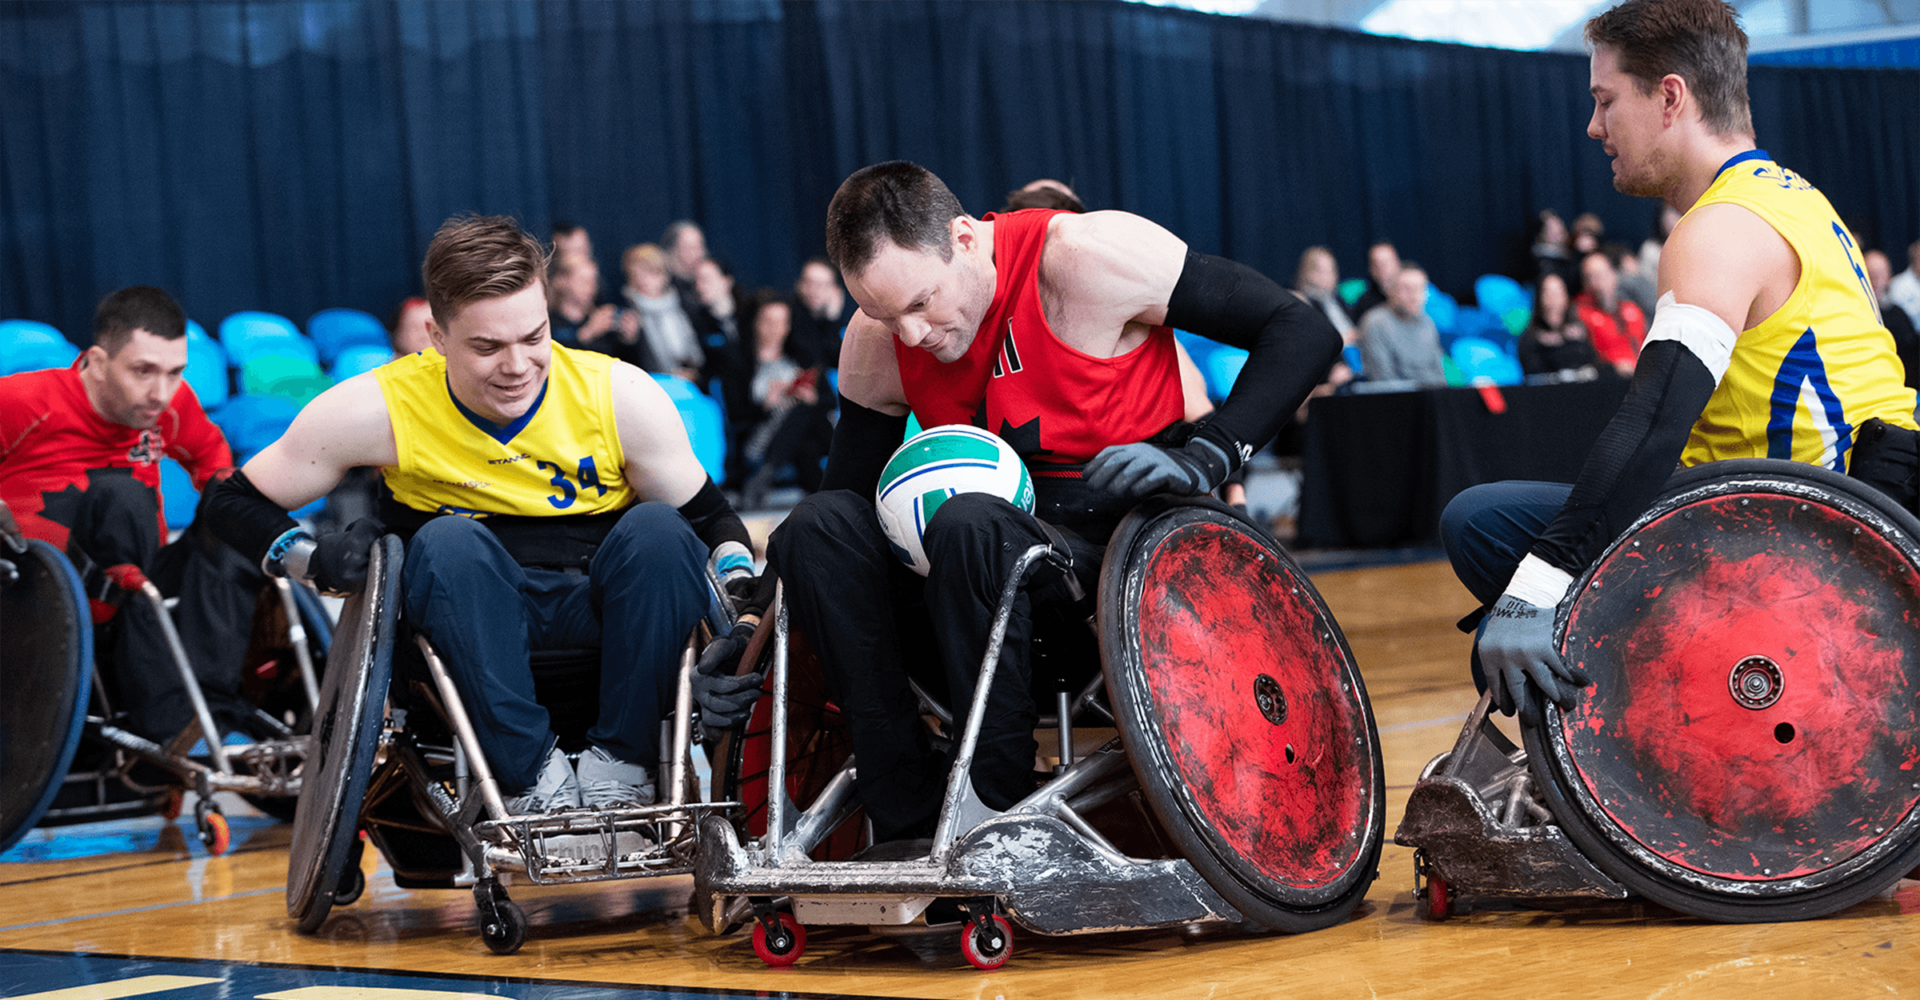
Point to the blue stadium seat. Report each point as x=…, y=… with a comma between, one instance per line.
x=359, y=358
x=1480, y=358
x=1474, y=321
x=249, y=335
x=1444, y=310
x=1506, y=298
x=26, y=345
x=1351, y=355
x=705, y=427
x=178, y=498
x=1219, y=364
x=206, y=368
x=334, y=330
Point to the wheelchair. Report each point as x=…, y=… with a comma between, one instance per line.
x=1750, y=748
x=61, y=727
x=1233, y=775
x=398, y=759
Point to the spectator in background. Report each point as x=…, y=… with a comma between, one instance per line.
x=1587, y=231
x=666, y=344
x=1550, y=251
x=821, y=311
x=792, y=405
x=1555, y=342
x=407, y=328
x=1898, y=321
x=1398, y=340
x=1317, y=281
x=573, y=285
x=571, y=240
x=1904, y=289
x=729, y=355
x=1616, y=324
x=1636, y=286
x=1043, y=193
x=1664, y=219
x=1383, y=265
x=686, y=247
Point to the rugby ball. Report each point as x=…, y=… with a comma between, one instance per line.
x=937, y=464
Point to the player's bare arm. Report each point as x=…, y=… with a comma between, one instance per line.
x=344, y=427
x=659, y=459
x=1106, y=278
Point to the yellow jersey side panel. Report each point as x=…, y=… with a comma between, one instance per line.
x=1800, y=384
x=562, y=458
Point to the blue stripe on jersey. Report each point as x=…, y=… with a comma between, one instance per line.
x=1802, y=367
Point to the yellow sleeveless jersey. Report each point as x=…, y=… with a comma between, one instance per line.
x=562, y=456
x=1800, y=384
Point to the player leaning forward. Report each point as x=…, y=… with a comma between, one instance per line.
x=1766, y=342
x=1053, y=330
x=549, y=499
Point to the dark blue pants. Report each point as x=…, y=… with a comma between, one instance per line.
x=1488, y=529
x=642, y=594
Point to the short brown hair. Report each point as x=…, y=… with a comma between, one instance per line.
x=1699, y=41
x=476, y=257
x=136, y=307
x=896, y=201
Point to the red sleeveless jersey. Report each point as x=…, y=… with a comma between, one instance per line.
x=1055, y=405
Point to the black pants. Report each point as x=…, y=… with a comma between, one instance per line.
x=118, y=522
x=874, y=624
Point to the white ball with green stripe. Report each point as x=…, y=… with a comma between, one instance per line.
x=937, y=464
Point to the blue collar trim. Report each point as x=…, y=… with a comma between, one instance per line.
x=493, y=430
x=1738, y=158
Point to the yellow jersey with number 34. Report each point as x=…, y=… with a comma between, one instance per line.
x=562, y=456
x=1802, y=382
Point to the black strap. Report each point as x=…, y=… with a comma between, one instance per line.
x=244, y=517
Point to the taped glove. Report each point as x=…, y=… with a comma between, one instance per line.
x=1515, y=648
x=725, y=698
x=339, y=564
x=1139, y=470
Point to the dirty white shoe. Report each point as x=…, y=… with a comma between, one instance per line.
x=607, y=782
x=555, y=789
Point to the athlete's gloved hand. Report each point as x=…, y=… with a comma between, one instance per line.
x=10, y=534
x=1140, y=470
x=725, y=698
x=339, y=564
x=1515, y=647
x=733, y=564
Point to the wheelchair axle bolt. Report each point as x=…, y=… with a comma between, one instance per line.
x=1756, y=682
x=1268, y=697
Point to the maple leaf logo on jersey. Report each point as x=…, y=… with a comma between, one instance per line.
x=146, y=451
x=1025, y=438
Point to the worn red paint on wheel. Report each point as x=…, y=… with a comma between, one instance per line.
x=1284, y=781
x=1782, y=788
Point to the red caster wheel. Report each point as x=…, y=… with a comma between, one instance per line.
x=171, y=810
x=1439, y=899
x=987, y=942
x=779, y=942
x=215, y=833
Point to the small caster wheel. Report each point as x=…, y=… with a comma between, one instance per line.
x=353, y=882
x=780, y=940
x=214, y=831
x=1434, y=900
x=170, y=811
x=505, y=929
x=987, y=941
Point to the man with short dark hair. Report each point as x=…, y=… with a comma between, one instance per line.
x=1731, y=367
x=80, y=452
x=1383, y=264
x=1054, y=331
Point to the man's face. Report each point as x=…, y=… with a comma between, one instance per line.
x=689, y=249
x=498, y=352
x=1879, y=272
x=771, y=325
x=573, y=244
x=1383, y=262
x=1631, y=127
x=1322, y=273
x=134, y=386
x=1409, y=293
x=926, y=302
x=580, y=280
x=1600, y=278
x=711, y=283
x=410, y=333
x=819, y=289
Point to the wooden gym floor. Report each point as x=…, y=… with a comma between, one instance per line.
x=85, y=911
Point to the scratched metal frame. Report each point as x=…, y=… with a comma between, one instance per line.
x=1624, y=857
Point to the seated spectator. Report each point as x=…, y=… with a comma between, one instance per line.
x=1587, y=231
x=573, y=284
x=821, y=311
x=1551, y=254
x=1616, y=325
x=1043, y=193
x=667, y=343
x=1316, y=280
x=729, y=356
x=792, y=405
x=571, y=240
x=1383, y=265
x=1664, y=219
x=1398, y=340
x=1904, y=289
x=407, y=329
x=1897, y=321
x=1636, y=286
x=1555, y=342
x=686, y=247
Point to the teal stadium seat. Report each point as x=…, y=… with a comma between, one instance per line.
x=206, y=368
x=358, y=359
x=1481, y=359
x=705, y=426
x=335, y=330
x=27, y=345
x=249, y=335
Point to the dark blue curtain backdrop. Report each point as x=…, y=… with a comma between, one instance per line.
x=292, y=156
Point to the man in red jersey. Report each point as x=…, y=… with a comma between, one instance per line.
x=80, y=449
x=1053, y=330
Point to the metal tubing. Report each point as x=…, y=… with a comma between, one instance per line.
x=777, y=754
x=824, y=812
x=297, y=633
x=944, y=834
x=208, y=730
x=463, y=730
x=682, y=725
x=1063, y=724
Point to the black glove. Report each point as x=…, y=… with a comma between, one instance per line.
x=1140, y=470
x=740, y=589
x=339, y=564
x=725, y=699
x=1516, y=646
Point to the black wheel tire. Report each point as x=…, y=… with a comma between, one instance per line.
x=353, y=882
x=506, y=931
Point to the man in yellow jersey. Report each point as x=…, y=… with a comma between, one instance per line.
x=549, y=499
x=1765, y=343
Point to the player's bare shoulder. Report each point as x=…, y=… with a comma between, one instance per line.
x=1103, y=270
x=349, y=420
x=1726, y=258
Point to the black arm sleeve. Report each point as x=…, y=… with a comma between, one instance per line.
x=1633, y=458
x=713, y=518
x=244, y=518
x=863, y=440
x=1292, y=345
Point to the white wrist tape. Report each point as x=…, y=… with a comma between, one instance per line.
x=731, y=559
x=1696, y=329
x=1539, y=583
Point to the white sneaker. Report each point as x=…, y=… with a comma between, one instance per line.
x=555, y=789
x=607, y=782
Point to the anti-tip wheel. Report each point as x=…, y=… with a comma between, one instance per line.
x=784, y=944
x=988, y=943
